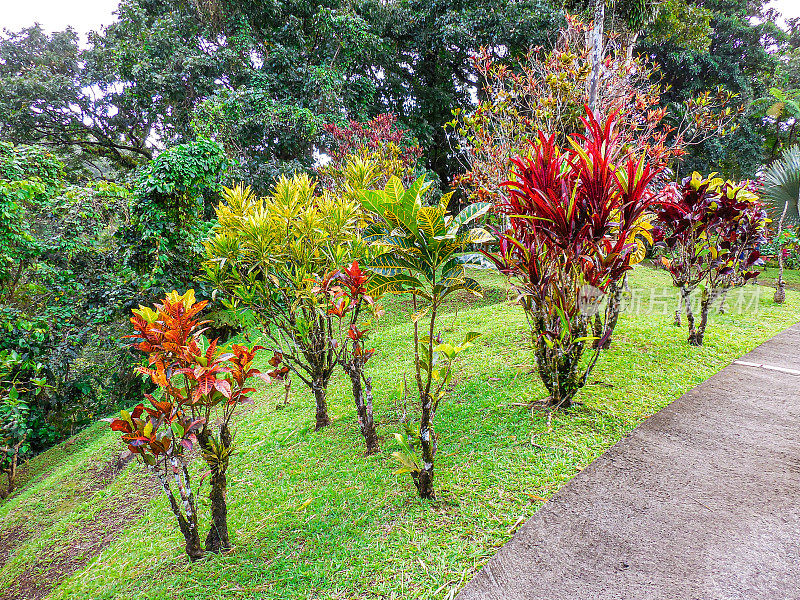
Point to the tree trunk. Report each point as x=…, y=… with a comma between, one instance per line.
x=705, y=305
x=187, y=524
x=217, y=539
x=615, y=298
x=11, y=470
x=722, y=301
x=323, y=420
x=696, y=338
x=362, y=394
x=685, y=293
x=780, y=286
x=427, y=440
x=596, y=54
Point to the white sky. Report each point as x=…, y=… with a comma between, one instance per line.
x=56, y=15
x=86, y=15
x=788, y=8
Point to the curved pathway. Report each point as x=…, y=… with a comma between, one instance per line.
x=700, y=502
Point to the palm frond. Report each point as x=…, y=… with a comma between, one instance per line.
x=782, y=184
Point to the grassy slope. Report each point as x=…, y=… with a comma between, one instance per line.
x=313, y=518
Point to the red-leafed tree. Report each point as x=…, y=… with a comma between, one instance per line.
x=349, y=301
x=712, y=230
x=375, y=150
x=200, y=386
x=574, y=214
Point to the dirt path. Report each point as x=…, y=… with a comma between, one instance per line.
x=700, y=502
x=66, y=556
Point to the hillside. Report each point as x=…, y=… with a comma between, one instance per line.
x=311, y=517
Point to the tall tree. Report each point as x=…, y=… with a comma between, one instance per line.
x=423, y=72
x=740, y=58
x=49, y=97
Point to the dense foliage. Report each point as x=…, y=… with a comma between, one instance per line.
x=64, y=286
x=172, y=214
x=347, y=124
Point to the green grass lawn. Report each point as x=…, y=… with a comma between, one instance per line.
x=312, y=517
x=769, y=275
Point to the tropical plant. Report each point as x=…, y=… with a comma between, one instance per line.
x=200, y=387
x=268, y=254
x=574, y=215
x=421, y=248
x=377, y=142
x=781, y=110
x=712, y=232
x=349, y=303
x=781, y=189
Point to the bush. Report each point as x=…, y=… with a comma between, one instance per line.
x=351, y=305
x=172, y=214
x=15, y=423
x=575, y=214
x=269, y=254
x=713, y=231
x=200, y=386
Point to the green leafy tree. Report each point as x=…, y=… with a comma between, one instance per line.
x=49, y=95
x=421, y=248
x=61, y=309
x=269, y=255
x=425, y=70
x=780, y=111
x=741, y=59
x=172, y=214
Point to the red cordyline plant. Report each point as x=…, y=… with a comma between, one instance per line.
x=574, y=215
x=346, y=290
x=196, y=381
x=712, y=230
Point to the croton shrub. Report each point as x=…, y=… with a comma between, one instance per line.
x=199, y=387
x=713, y=231
x=422, y=254
x=267, y=255
x=355, y=313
